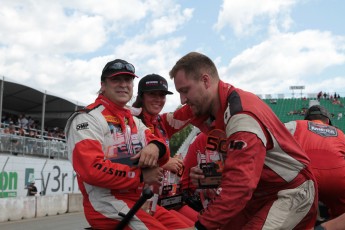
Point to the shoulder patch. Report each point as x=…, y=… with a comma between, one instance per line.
x=82, y=126
x=322, y=130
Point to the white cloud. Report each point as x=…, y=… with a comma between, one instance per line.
x=43, y=27
x=63, y=45
x=41, y=35
x=245, y=17
x=126, y=12
x=169, y=23
x=285, y=60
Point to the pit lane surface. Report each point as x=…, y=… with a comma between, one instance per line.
x=68, y=221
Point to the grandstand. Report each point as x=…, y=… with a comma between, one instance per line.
x=290, y=109
x=49, y=110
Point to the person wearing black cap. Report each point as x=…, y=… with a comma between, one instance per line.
x=105, y=142
x=318, y=112
x=151, y=98
x=325, y=146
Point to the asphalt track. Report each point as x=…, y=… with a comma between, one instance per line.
x=68, y=221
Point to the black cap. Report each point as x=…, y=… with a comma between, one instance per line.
x=117, y=67
x=317, y=110
x=153, y=82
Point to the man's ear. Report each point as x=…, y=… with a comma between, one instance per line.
x=206, y=80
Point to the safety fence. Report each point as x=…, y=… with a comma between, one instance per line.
x=22, y=145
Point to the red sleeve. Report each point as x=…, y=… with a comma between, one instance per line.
x=174, y=122
x=241, y=174
x=190, y=160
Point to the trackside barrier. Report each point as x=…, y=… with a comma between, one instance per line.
x=75, y=202
x=51, y=205
x=18, y=208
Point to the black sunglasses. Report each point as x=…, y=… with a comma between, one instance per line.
x=121, y=66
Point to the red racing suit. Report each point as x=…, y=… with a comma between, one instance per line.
x=197, y=198
x=197, y=146
x=266, y=181
x=97, y=138
x=325, y=146
x=164, y=126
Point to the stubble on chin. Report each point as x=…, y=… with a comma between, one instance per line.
x=196, y=112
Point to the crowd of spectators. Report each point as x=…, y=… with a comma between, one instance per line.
x=301, y=112
x=23, y=125
x=333, y=98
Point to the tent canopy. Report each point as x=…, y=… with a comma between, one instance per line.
x=20, y=99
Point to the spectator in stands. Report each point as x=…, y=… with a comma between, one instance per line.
x=340, y=115
x=152, y=91
x=6, y=130
x=273, y=101
x=32, y=133
x=319, y=95
x=4, y=119
x=49, y=135
x=12, y=128
x=36, y=124
x=23, y=122
x=31, y=123
x=5, y=139
x=31, y=143
x=325, y=146
x=104, y=142
x=261, y=156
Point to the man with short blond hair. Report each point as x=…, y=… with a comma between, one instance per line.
x=266, y=181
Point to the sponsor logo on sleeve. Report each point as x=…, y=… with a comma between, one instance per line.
x=237, y=145
x=82, y=126
x=110, y=171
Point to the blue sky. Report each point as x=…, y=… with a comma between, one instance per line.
x=261, y=46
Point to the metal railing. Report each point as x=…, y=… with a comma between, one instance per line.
x=22, y=145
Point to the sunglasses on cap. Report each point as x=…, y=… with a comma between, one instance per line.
x=120, y=66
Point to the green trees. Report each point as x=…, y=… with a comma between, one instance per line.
x=178, y=138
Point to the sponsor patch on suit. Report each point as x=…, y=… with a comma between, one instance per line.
x=322, y=130
x=82, y=126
